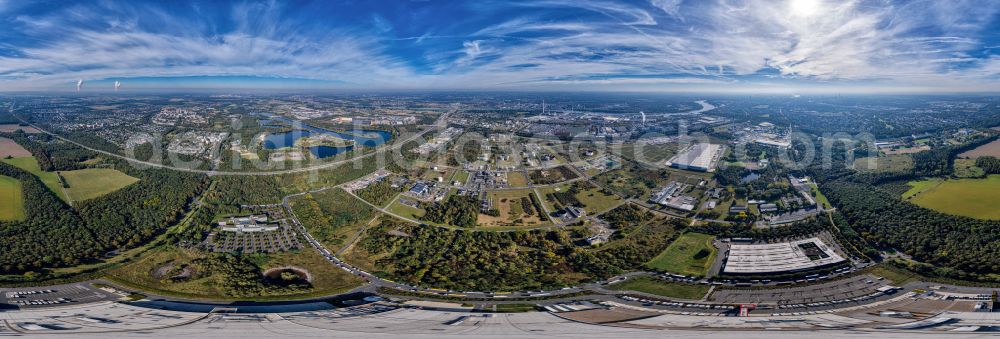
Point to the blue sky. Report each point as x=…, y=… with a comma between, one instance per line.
x=588, y=45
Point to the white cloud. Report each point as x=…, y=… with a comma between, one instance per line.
x=471, y=48
x=718, y=43
x=671, y=7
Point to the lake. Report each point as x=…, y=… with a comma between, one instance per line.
x=364, y=138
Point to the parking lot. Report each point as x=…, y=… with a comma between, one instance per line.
x=853, y=289
x=54, y=295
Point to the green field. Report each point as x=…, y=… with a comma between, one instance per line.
x=662, y=288
x=50, y=179
x=892, y=163
x=461, y=176
x=11, y=199
x=691, y=254
x=820, y=198
x=405, y=211
x=91, y=183
x=516, y=179
x=966, y=168
x=917, y=187
x=649, y=153
x=595, y=201
x=974, y=198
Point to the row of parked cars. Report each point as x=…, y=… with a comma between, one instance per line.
x=649, y=302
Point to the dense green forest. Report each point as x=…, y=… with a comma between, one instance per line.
x=961, y=247
x=457, y=211
x=990, y=165
x=325, y=214
x=57, y=235
x=51, y=235
x=520, y=260
x=379, y=193
x=134, y=214
x=872, y=216
x=52, y=155
x=235, y=190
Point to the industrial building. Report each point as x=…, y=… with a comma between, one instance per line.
x=800, y=255
x=702, y=157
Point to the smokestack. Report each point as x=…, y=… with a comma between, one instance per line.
x=79, y=83
x=118, y=85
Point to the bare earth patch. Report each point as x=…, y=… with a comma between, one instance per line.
x=991, y=149
x=9, y=148
x=11, y=128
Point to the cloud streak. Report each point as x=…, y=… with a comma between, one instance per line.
x=593, y=44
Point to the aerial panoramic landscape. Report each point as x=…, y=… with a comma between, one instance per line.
x=500, y=169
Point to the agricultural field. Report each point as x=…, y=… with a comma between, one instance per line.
x=691, y=254
x=662, y=288
x=906, y=150
x=11, y=199
x=990, y=149
x=10, y=128
x=50, y=179
x=515, y=210
x=516, y=179
x=91, y=183
x=886, y=164
x=975, y=198
x=9, y=148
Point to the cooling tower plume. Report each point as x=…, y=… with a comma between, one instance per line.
x=79, y=83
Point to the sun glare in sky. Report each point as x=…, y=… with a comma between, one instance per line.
x=804, y=8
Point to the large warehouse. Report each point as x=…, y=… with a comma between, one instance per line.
x=702, y=157
x=799, y=255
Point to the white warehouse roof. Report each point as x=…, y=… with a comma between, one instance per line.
x=778, y=257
